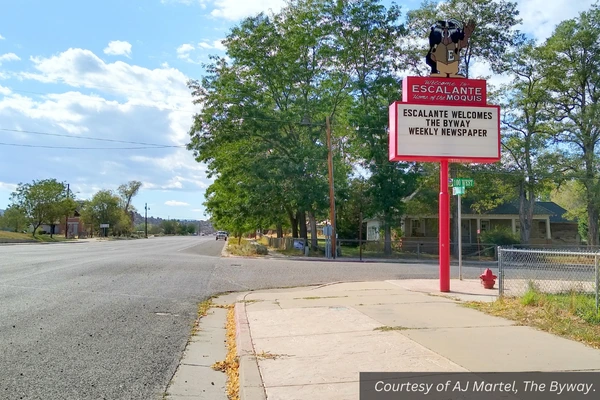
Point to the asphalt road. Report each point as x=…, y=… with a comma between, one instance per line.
x=110, y=319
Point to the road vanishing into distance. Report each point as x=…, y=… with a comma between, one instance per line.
x=110, y=319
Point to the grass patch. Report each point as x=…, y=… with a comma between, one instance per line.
x=391, y=328
x=571, y=315
x=17, y=236
x=231, y=364
x=246, y=248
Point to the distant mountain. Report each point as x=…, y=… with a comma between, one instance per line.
x=205, y=226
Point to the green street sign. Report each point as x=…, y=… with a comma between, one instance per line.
x=463, y=182
x=460, y=190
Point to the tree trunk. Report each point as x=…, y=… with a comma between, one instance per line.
x=52, y=227
x=387, y=248
x=313, y=230
x=593, y=214
x=591, y=187
x=302, y=223
x=294, y=223
x=279, y=231
x=527, y=203
x=35, y=228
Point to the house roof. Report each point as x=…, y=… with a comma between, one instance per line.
x=550, y=208
x=557, y=212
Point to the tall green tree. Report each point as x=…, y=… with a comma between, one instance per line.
x=42, y=201
x=128, y=191
x=14, y=218
x=571, y=67
x=370, y=34
x=270, y=103
x=526, y=135
x=103, y=208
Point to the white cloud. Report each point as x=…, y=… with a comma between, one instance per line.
x=2, y=37
x=183, y=51
x=118, y=48
x=234, y=10
x=540, y=18
x=237, y=9
x=11, y=187
x=197, y=210
x=215, y=44
x=186, y=2
x=9, y=57
x=175, y=203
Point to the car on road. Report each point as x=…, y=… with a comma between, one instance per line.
x=222, y=235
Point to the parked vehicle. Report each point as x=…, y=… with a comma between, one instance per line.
x=222, y=235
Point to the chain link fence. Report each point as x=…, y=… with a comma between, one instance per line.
x=549, y=271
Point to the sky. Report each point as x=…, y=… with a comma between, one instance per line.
x=94, y=94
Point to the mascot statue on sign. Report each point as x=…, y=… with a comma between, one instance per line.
x=446, y=39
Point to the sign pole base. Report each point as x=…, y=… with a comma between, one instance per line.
x=444, y=228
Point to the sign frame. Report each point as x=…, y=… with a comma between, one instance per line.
x=394, y=154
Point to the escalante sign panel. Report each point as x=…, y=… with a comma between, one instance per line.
x=448, y=91
x=421, y=132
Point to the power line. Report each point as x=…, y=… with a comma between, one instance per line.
x=81, y=148
x=91, y=138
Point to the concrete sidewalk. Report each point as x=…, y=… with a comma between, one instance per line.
x=312, y=343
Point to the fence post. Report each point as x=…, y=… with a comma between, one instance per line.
x=500, y=273
x=597, y=279
x=418, y=251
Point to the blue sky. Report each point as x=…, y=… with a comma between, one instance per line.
x=117, y=70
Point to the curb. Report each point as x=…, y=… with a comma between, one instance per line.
x=251, y=384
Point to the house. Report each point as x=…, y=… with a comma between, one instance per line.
x=549, y=224
x=75, y=227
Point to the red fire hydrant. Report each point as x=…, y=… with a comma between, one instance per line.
x=488, y=279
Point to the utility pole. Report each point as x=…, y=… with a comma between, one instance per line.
x=331, y=191
x=67, y=217
x=146, y=219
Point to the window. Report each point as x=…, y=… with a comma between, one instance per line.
x=415, y=225
x=485, y=225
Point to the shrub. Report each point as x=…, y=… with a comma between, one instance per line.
x=499, y=237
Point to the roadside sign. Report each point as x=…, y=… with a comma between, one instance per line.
x=104, y=225
x=463, y=182
x=460, y=190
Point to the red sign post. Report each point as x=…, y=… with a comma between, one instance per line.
x=444, y=120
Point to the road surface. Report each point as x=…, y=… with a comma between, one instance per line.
x=110, y=319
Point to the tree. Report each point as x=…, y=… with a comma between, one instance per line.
x=370, y=35
x=169, y=227
x=42, y=201
x=571, y=195
x=526, y=135
x=14, y=218
x=127, y=192
x=263, y=117
x=571, y=67
x=103, y=208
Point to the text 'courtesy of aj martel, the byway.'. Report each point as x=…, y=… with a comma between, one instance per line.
x=553, y=387
x=447, y=122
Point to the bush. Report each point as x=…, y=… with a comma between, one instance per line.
x=499, y=237
x=261, y=250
